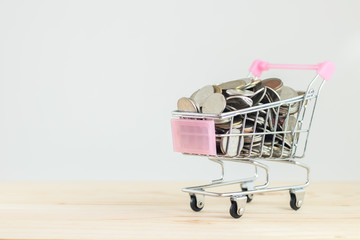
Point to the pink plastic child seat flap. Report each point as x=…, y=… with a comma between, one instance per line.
x=194, y=136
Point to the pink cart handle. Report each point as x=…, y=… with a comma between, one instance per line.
x=325, y=69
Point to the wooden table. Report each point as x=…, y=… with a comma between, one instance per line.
x=159, y=210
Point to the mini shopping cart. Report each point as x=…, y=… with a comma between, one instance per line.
x=194, y=134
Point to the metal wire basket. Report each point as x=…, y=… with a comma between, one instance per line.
x=276, y=131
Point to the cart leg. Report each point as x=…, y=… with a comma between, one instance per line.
x=296, y=198
x=221, y=163
x=237, y=207
x=197, y=202
x=248, y=186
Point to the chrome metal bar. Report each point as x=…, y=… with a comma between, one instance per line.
x=301, y=109
x=312, y=115
x=239, y=112
x=200, y=189
x=196, y=189
x=216, y=184
x=221, y=163
x=228, y=138
x=257, y=164
x=243, y=127
x=285, y=135
x=275, y=127
x=299, y=126
x=259, y=133
x=254, y=131
x=264, y=132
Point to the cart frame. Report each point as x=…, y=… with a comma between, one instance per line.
x=284, y=154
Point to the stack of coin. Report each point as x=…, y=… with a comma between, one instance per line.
x=241, y=94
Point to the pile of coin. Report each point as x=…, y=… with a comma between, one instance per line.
x=241, y=94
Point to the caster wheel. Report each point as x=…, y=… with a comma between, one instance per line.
x=293, y=202
x=195, y=204
x=237, y=207
x=249, y=197
x=234, y=210
x=296, y=198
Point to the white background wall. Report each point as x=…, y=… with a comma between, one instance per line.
x=87, y=87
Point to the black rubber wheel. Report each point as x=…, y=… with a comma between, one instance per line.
x=233, y=210
x=293, y=202
x=249, y=198
x=193, y=204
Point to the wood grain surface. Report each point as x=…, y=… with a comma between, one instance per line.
x=159, y=210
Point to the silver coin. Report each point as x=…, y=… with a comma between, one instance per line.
x=258, y=96
x=255, y=145
x=192, y=98
x=252, y=151
x=236, y=143
x=202, y=94
x=259, y=121
x=265, y=151
x=289, y=125
x=239, y=102
x=261, y=111
x=262, y=129
x=276, y=152
x=187, y=105
x=225, y=122
x=248, y=80
x=269, y=139
x=237, y=123
x=280, y=140
x=271, y=118
x=222, y=121
x=250, y=120
x=235, y=84
x=245, y=153
x=236, y=92
x=254, y=139
x=248, y=127
x=279, y=151
x=273, y=95
x=300, y=93
x=230, y=108
x=214, y=104
x=217, y=89
x=292, y=108
x=193, y=95
x=253, y=85
x=287, y=92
